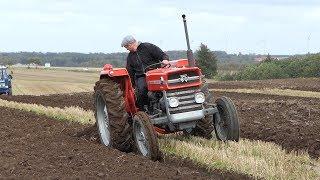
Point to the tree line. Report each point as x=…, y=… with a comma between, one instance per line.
x=270, y=68
x=209, y=61
x=72, y=59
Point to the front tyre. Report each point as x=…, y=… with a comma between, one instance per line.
x=145, y=137
x=226, y=122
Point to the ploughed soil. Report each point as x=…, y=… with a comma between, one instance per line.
x=304, y=84
x=292, y=122
x=37, y=146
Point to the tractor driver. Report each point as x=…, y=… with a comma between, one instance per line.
x=140, y=56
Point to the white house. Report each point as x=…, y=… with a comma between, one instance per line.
x=47, y=65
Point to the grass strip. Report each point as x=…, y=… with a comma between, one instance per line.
x=259, y=159
x=75, y=114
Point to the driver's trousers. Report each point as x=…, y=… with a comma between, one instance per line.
x=141, y=92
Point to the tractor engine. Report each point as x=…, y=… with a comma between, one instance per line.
x=175, y=95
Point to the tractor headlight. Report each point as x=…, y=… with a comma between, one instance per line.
x=2, y=84
x=199, y=97
x=173, y=102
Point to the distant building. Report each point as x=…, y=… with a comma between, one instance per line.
x=47, y=65
x=260, y=58
x=282, y=57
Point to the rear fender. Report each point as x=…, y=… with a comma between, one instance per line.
x=121, y=76
x=108, y=70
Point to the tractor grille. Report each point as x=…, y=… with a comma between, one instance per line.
x=186, y=100
x=183, y=77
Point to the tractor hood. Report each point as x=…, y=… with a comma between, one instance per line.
x=173, y=78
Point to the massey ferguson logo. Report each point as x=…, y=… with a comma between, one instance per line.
x=184, y=78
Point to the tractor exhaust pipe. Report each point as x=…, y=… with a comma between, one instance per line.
x=190, y=57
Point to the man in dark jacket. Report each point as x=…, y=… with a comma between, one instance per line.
x=141, y=55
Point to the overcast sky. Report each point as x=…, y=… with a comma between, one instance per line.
x=247, y=26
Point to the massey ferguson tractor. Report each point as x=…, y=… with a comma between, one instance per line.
x=179, y=101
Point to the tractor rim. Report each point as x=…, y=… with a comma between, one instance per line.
x=142, y=141
x=103, y=121
x=222, y=127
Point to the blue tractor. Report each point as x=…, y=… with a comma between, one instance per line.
x=5, y=81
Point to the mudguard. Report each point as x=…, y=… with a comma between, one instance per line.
x=121, y=76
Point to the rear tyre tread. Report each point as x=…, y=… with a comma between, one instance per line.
x=120, y=129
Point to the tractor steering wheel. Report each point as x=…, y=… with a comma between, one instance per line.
x=154, y=66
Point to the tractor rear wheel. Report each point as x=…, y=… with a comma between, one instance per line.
x=226, y=122
x=10, y=92
x=204, y=127
x=145, y=137
x=111, y=118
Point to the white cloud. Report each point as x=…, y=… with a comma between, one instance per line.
x=313, y=15
x=233, y=25
x=167, y=12
x=211, y=18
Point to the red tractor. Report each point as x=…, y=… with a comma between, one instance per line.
x=179, y=100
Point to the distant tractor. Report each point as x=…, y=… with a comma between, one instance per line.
x=5, y=81
x=179, y=100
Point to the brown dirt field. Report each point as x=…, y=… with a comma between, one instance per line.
x=36, y=146
x=304, y=84
x=290, y=122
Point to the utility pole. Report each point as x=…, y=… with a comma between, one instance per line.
x=308, y=43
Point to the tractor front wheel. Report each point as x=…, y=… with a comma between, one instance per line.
x=145, y=137
x=226, y=122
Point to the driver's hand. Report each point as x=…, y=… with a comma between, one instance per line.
x=166, y=62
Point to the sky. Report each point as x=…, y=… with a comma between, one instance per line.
x=90, y=26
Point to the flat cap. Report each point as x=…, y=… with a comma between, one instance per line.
x=127, y=40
